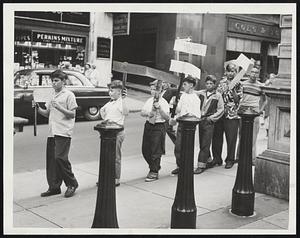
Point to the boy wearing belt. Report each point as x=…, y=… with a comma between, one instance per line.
x=212, y=108
x=153, y=145
x=115, y=111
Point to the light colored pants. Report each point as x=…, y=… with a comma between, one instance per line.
x=255, y=134
x=119, y=140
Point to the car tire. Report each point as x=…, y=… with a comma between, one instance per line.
x=92, y=113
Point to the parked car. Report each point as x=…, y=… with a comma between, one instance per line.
x=89, y=98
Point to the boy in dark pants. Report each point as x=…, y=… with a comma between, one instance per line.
x=229, y=122
x=212, y=108
x=61, y=110
x=153, y=145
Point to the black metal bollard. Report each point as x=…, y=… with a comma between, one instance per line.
x=242, y=203
x=184, y=211
x=105, y=212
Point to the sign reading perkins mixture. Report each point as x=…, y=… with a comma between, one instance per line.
x=57, y=38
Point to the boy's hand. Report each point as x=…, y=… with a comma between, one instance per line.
x=156, y=105
x=55, y=104
x=124, y=92
x=172, y=122
x=151, y=114
x=35, y=104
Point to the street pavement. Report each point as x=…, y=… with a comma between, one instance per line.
x=141, y=206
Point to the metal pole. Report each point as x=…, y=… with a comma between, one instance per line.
x=105, y=212
x=243, y=191
x=184, y=211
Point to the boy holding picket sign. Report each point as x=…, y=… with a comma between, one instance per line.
x=189, y=104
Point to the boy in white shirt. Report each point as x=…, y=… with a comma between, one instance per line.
x=189, y=104
x=115, y=111
x=153, y=145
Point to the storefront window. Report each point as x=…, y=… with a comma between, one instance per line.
x=47, y=50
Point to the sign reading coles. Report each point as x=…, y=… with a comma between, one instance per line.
x=57, y=38
x=255, y=29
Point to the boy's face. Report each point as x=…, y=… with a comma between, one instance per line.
x=254, y=74
x=187, y=87
x=209, y=85
x=230, y=72
x=153, y=90
x=115, y=93
x=57, y=84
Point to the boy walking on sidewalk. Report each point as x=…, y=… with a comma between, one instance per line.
x=61, y=111
x=115, y=111
x=156, y=110
x=189, y=104
x=212, y=108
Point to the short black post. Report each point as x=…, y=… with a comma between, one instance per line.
x=105, y=213
x=242, y=203
x=184, y=211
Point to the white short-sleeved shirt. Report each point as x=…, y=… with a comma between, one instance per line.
x=59, y=124
x=163, y=104
x=113, y=111
x=189, y=103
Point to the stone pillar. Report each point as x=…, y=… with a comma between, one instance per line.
x=105, y=212
x=184, y=211
x=272, y=166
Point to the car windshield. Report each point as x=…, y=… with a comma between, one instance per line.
x=42, y=78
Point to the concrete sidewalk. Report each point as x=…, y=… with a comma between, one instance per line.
x=144, y=205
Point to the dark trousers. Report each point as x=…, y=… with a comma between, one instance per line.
x=206, y=129
x=153, y=145
x=58, y=166
x=171, y=132
x=230, y=127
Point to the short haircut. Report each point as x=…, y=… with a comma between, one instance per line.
x=189, y=79
x=116, y=84
x=59, y=74
x=211, y=78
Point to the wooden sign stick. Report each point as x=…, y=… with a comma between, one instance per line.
x=35, y=120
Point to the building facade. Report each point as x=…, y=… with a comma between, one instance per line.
x=64, y=39
x=152, y=35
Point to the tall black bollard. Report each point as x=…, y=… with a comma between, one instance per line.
x=242, y=203
x=105, y=213
x=184, y=211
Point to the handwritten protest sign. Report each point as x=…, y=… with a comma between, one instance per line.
x=141, y=70
x=185, y=67
x=244, y=62
x=189, y=47
x=246, y=65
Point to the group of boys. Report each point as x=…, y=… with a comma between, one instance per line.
x=215, y=107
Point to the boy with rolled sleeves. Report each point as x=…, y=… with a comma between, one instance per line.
x=115, y=111
x=212, y=108
x=188, y=104
x=153, y=144
x=61, y=111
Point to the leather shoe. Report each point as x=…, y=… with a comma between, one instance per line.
x=199, y=170
x=175, y=171
x=213, y=163
x=229, y=164
x=51, y=192
x=70, y=191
